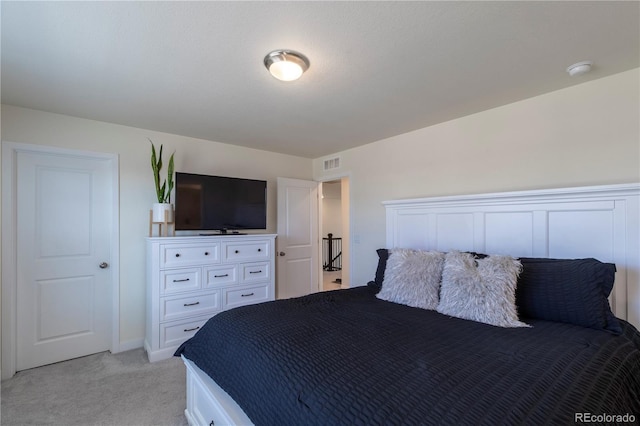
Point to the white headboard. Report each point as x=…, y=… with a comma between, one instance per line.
x=602, y=222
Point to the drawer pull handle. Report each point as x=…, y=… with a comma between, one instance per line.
x=237, y=251
x=192, y=304
x=255, y=272
x=259, y=249
x=206, y=253
x=191, y=329
x=221, y=276
x=181, y=281
x=247, y=295
x=177, y=254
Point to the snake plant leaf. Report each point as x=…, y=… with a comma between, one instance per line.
x=161, y=195
x=156, y=171
x=163, y=192
x=160, y=159
x=170, y=178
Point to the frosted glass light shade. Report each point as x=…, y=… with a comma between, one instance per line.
x=285, y=71
x=286, y=65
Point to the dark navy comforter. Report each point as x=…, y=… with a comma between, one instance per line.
x=347, y=358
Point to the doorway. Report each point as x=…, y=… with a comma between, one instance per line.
x=335, y=233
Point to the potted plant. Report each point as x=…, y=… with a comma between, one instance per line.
x=163, y=209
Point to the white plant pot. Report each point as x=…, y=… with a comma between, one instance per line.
x=159, y=210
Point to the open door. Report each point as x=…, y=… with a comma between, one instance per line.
x=297, y=242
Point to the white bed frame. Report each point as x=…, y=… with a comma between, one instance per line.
x=598, y=221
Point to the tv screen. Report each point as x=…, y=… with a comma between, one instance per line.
x=219, y=203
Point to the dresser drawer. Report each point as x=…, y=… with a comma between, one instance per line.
x=175, y=255
x=246, y=295
x=251, y=250
x=172, y=308
x=173, y=334
x=252, y=272
x=220, y=275
x=177, y=280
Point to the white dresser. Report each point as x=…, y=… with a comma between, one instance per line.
x=190, y=279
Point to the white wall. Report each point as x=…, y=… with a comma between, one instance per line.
x=137, y=192
x=587, y=134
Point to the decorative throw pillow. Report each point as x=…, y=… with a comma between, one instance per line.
x=480, y=290
x=573, y=291
x=412, y=277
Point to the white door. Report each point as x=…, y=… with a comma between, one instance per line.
x=297, y=242
x=63, y=234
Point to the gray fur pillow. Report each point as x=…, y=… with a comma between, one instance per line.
x=480, y=290
x=412, y=278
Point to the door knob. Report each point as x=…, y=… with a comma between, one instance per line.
x=281, y=253
x=104, y=265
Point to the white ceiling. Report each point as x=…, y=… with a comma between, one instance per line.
x=378, y=69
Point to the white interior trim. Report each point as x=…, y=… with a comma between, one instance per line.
x=9, y=247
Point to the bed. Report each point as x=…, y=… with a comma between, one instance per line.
x=571, y=354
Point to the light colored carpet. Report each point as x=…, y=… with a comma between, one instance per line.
x=103, y=389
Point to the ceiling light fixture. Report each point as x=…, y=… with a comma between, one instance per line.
x=286, y=65
x=579, y=68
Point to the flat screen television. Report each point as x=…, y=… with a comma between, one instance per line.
x=220, y=203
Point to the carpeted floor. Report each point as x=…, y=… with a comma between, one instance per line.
x=103, y=389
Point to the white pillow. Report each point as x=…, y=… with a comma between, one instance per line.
x=480, y=290
x=412, y=277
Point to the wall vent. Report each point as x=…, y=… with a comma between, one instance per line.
x=331, y=163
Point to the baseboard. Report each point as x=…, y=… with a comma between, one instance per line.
x=128, y=345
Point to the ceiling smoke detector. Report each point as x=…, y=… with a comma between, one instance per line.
x=580, y=68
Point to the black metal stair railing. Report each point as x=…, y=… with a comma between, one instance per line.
x=331, y=253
